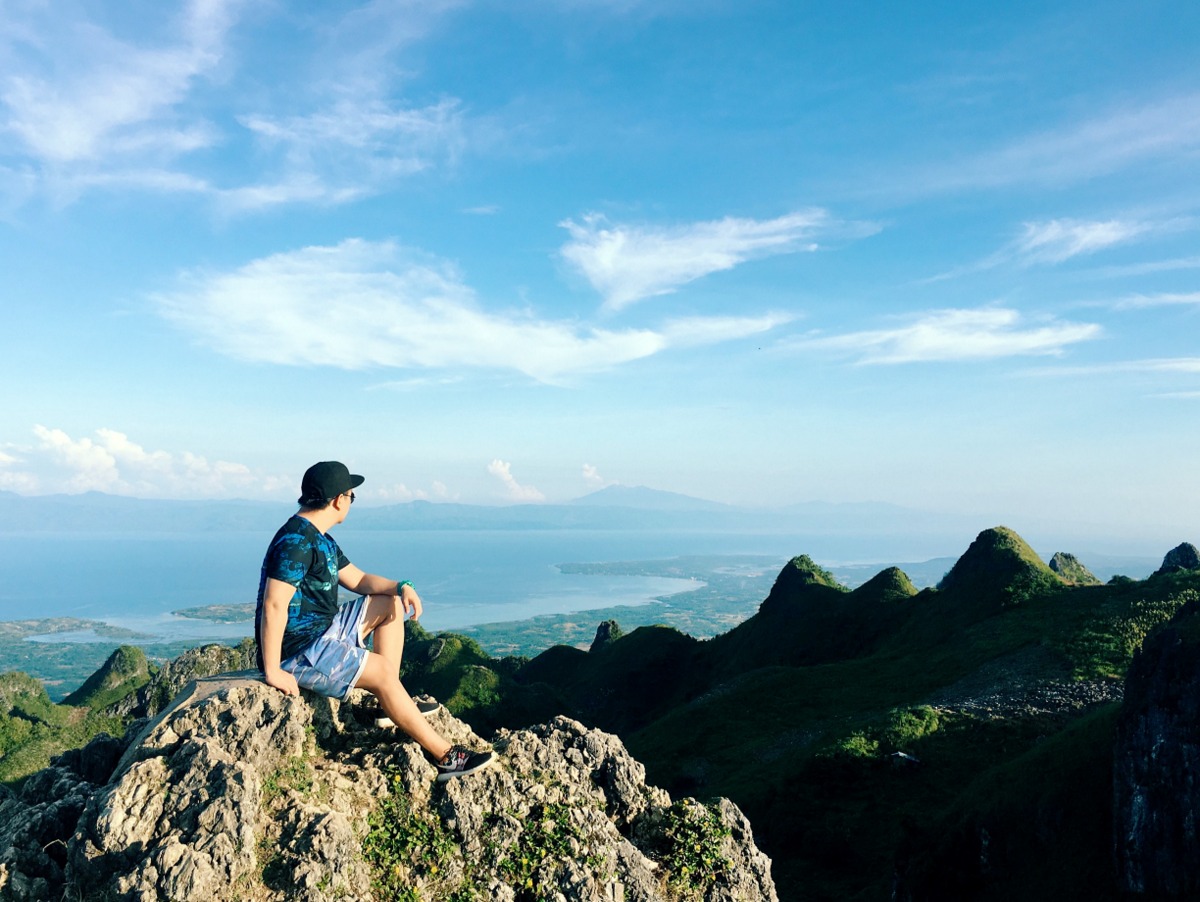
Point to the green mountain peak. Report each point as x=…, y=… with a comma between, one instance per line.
x=997, y=570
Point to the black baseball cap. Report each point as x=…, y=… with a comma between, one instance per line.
x=326, y=480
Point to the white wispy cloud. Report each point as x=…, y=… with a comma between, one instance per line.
x=628, y=263
x=375, y=304
x=1169, y=365
x=1152, y=129
x=109, y=461
x=1058, y=240
x=1162, y=299
x=514, y=491
x=86, y=96
x=84, y=108
x=1061, y=239
x=985, y=333
x=354, y=147
x=1145, y=268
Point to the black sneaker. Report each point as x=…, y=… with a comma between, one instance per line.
x=427, y=709
x=460, y=761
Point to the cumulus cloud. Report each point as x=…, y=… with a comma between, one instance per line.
x=986, y=333
x=514, y=491
x=398, y=492
x=593, y=478
x=109, y=461
x=375, y=304
x=628, y=263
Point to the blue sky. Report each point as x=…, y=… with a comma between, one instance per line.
x=938, y=254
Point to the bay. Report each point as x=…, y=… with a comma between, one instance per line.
x=465, y=577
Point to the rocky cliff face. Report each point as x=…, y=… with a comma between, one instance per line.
x=1156, y=766
x=237, y=792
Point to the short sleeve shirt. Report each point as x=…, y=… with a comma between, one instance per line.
x=302, y=556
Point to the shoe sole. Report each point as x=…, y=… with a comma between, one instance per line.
x=450, y=775
x=387, y=721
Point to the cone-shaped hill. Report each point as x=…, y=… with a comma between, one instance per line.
x=891, y=584
x=125, y=671
x=998, y=570
x=809, y=618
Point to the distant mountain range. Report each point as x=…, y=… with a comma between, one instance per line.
x=614, y=507
x=830, y=531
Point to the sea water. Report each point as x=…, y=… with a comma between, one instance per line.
x=465, y=577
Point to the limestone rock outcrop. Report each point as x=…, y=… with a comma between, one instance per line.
x=1071, y=570
x=238, y=792
x=1156, y=765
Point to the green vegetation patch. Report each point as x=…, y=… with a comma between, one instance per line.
x=691, y=848
x=549, y=835
x=33, y=729
x=405, y=848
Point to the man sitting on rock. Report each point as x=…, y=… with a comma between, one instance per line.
x=305, y=638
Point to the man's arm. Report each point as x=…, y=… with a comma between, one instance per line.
x=354, y=580
x=275, y=607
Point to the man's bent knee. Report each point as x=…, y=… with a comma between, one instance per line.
x=381, y=610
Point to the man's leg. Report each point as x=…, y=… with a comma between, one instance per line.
x=381, y=678
x=384, y=617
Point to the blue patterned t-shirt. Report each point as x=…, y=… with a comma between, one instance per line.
x=301, y=556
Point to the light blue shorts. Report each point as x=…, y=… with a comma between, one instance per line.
x=333, y=663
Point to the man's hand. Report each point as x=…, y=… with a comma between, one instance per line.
x=283, y=681
x=410, y=601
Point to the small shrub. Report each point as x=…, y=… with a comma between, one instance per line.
x=401, y=844
x=907, y=725
x=691, y=847
x=549, y=834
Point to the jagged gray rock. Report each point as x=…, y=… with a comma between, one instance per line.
x=1071, y=570
x=238, y=792
x=1156, y=765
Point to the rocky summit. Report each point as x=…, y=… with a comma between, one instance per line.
x=238, y=792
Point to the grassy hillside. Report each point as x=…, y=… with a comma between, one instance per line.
x=33, y=728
